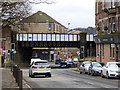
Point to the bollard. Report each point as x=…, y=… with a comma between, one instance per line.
x=17, y=73
x=20, y=83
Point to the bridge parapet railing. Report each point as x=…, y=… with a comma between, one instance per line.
x=47, y=37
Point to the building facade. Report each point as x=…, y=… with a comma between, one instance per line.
x=40, y=22
x=107, y=37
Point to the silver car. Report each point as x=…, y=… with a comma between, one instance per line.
x=40, y=67
x=84, y=67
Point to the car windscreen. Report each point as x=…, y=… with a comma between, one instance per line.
x=41, y=63
x=87, y=64
x=97, y=64
x=115, y=65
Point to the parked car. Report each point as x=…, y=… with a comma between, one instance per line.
x=40, y=67
x=75, y=60
x=69, y=62
x=58, y=60
x=63, y=64
x=102, y=63
x=84, y=67
x=111, y=69
x=95, y=68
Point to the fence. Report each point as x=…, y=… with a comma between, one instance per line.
x=17, y=73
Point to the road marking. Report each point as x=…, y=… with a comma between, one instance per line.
x=27, y=85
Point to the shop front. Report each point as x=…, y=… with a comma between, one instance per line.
x=108, y=48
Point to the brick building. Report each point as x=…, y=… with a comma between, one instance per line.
x=107, y=37
x=40, y=22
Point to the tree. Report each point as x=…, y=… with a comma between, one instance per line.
x=12, y=12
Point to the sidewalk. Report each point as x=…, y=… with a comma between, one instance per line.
x=8, y=81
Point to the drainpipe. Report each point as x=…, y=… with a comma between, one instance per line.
x=100, y=53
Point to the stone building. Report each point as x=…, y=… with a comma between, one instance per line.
x=107, y=37
x=40, y=22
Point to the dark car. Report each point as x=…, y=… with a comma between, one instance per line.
x=58, y=60
x=63, y=64
x=69, y=62
x=84, y=67
x=95, y=68
x=66, y=63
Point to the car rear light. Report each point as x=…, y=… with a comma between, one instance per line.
x=48, y=67
x=34, y=67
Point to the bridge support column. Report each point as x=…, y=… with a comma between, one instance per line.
x=82, y=45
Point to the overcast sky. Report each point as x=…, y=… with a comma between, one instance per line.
x=79, y=13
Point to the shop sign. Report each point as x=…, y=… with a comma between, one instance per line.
x=51, y=52
x=112, y=45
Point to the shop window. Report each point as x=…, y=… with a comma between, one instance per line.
x=97, y=49
x=113, y=52
x=113, y=24
x=110, y=51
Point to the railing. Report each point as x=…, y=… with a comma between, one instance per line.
x=17, y=73
x=51, y=37
x=47, y=37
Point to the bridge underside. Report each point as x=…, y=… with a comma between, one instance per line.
x=49, y=44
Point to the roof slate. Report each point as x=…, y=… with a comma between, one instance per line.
x=39, y=17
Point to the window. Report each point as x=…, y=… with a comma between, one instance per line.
x=109, y=4
x=119, y=24
x=102, y=26
x=113, y=24
x=96, y=7
x=113, y=52
x=103, y=4
x=119, y=2
x=22, y=26
x=110, y=25
x=110, y=51
x=49, y=27
x=103, y=50
x=113, y=3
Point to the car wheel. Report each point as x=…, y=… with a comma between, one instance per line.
x=92, y=73
x=84, y=71
x=32, y=76
x=49, y=75
x=29, y=75
x=107, y=75
x=102, y=75
x=80, y=72
x=88, y=72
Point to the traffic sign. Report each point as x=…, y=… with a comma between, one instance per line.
x=14, y=52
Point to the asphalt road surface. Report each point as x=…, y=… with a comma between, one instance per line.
x=67, y=78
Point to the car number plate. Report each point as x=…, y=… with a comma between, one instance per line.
x=41, y=67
